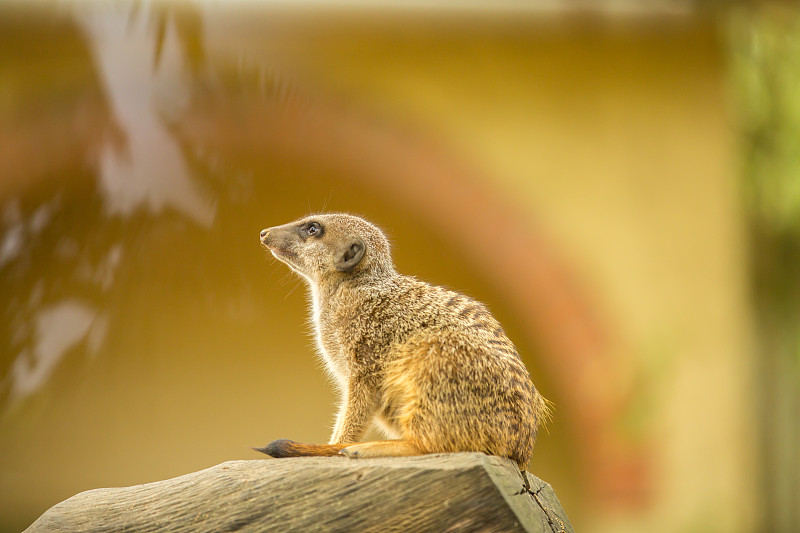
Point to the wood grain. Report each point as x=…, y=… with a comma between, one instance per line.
x=447, y=492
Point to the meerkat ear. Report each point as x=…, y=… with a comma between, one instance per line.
x=351, y=256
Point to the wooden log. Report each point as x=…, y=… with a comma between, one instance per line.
x=445, y=492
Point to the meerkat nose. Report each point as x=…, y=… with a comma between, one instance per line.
x=264, y=233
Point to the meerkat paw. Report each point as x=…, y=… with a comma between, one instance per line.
x=351, y=451
x=382, y=448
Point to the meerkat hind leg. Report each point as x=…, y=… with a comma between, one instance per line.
x=381, y=448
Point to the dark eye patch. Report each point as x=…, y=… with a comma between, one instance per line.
x=311, y=229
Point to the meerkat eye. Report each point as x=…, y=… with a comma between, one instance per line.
x=312, y=228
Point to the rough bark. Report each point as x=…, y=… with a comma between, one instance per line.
x=448, y=492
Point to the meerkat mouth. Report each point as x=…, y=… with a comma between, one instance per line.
x=289, y=259
x=285, y=256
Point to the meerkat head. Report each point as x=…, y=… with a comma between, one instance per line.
x=320, y=246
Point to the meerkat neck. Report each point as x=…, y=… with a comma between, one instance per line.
x=334, y=287
x=331, y=284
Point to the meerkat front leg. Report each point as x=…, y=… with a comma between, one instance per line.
x=358, y=407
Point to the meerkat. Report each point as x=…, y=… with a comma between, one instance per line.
x=432, y=367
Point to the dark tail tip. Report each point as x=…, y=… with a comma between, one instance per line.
x=277, y=448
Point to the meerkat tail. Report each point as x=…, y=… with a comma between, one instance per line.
x=381, y=448
x=289, y=448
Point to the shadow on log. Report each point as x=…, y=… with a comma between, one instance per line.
x=447, y=492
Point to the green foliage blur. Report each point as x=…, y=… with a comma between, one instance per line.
x=765, y=68
x=765, y=75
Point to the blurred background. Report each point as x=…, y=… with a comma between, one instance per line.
x=618, y=181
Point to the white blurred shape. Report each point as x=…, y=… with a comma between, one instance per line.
x=58, y=328
x=104, y=275
x=151, y=171
x=11, y=245
x=40, y=218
